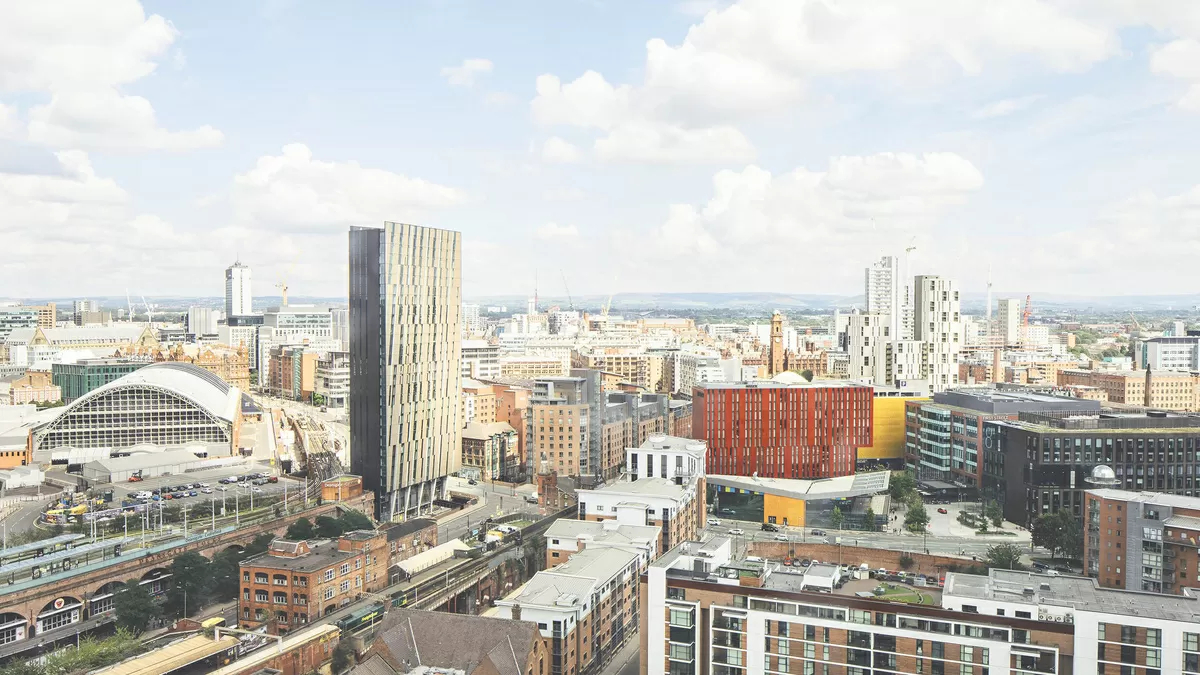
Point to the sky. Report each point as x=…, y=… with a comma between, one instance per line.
x=602, y=145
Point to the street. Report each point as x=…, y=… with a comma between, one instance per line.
x=494, y=500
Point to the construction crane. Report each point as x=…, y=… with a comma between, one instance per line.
x=149, y=312
x=1025, y=320
x=129, y=301
x=568, y=289
x=283, y=288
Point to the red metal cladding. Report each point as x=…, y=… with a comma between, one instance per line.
x=781, y=431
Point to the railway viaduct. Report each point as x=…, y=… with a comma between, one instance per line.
x=88, y=587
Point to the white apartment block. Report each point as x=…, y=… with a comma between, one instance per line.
x=866, y=335
x=237, y=290
x=939, y=325
x=480, y=360
x=1168, y=353
x=1008, y=320
x=882, y=290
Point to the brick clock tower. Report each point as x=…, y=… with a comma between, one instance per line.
x=776, y=348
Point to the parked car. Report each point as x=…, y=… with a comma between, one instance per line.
x=257, y=489
x=272, y=479
x=943, y=511
x=206, y=490
x=135, y=479
x=472, y=481
x=203, y=485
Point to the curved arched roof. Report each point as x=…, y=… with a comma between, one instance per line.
x=193, y=383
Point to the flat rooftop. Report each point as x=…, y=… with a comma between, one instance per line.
x=321, y=557
x=1158, y=498
x=1080, y=593
x=860, y=484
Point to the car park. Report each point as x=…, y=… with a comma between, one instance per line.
x=203, y=485
x=206, y=490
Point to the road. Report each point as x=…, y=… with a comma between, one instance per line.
x=626, y=661
x=494, y=500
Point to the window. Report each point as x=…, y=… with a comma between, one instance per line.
x=345, y=569
x=681, y=618
x=328, y=575
x=328, y=593
x=345, y=586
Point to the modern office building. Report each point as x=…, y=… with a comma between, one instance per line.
x=1141, y=541
x=81, y=377
x=946, y=449
x=888, y=426
x=332, y=380
x=405, y=370
x=937, y=323
x=16, y=317
x=162, y=404
x=237, y=290
x=1167, y=353
x=783, y=428
x=1048, y=457
x=480, y=360
x=707, y=610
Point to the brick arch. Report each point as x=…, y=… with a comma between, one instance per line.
x=61, y=611
x=156, y=580
x=13, y=626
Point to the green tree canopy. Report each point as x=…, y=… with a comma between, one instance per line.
x=355, y=520
x=135, y=607
x=1004, y=556
x=226, y=567
x=902, y=484
x=917, y=518
x=329, y=528
x=260, y=544
x=807, y=374
x=191, y=583
x=1059, y=532
x=300, y=530
x=837, y=518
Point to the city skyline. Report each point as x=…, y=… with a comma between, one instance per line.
x=695, y=149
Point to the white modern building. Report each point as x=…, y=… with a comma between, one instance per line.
x=203, y=320
x=938, y=324
x=480, y=360
x=882, y=291
x=1008, y=320
x=237, y=290
x=1167, y=353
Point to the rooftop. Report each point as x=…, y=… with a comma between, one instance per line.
x=409, y=527
x=456, y=642
x=480, y=431
x=565, y=528
x=995, y=401
x=691, y=446
x=1079, y=593
x=571, y=583
x=1109, y=421
x=644, y=487
x=787, y=383
x=1157, y=498
x=826, y=488
x=321, y=557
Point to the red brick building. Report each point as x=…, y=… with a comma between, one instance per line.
x=296, y=582
x=783, y=428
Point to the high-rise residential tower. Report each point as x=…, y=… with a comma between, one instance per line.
x=882, y=290
x=405, y=375
x=237, y=290
x=1008, y=321
x=938, y=324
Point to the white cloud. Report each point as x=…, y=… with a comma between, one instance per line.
x=81, y=53
x=667, y=144
x=567, y=194
x=556, y=231
x=755, y=220
x=464, y=75
x=106, y=120
x=1005, y=107
x=558, y=151
x=294, y=192
x=1180, y=59
x=49, y=203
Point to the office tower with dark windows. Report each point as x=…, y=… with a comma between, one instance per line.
x=405, y=375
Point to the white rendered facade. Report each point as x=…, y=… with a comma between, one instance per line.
x=882, y=290
x=480, y=360
x=939, y=325
x=1008, y=320
x=237, y=290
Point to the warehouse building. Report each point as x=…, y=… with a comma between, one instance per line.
x=119, y=469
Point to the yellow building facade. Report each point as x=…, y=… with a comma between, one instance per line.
x=888, y=433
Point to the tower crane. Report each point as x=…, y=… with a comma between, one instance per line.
x=568, y=289
x=149, y=312
x=129, y=301
x=1025, y=320
x=283, y=289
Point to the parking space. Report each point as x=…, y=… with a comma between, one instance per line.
x=205, y=483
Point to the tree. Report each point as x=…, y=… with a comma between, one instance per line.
x=191, y=582
x=906, y=561
x=355, y=520
x=300, y=530
x=1004, y=556
x=328, y=528
x=917, y=517
x=226, y=567
x=343, y=657
x=260, y=545
x=993, y=513
x=135, y=607
x=1059, y=532
x=869, y=520
x=902, y=484
x=837, y=518
x=807, y=374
